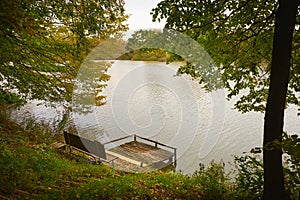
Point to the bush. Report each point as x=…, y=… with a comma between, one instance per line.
x=291, y=170
x=249, y=177
x=6, y=97
x=213, y=180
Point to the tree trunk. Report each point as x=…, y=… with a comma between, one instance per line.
x=274, y=116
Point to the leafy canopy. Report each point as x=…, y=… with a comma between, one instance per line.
x=238, y=36
x=42, y=42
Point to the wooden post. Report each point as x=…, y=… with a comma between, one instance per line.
x=175, y=157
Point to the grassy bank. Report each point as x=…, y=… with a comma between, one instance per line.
x=30, y=169
x=150, y=55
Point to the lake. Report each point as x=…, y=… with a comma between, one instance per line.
x=146, y=98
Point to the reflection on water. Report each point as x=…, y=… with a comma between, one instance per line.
x=145, y=98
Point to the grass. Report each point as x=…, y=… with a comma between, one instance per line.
x=30, y=169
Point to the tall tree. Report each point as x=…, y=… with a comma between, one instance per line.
x=274, y=116
x=251, y=42
x=42, y=42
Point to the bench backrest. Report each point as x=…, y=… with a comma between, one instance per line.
x=91, y=147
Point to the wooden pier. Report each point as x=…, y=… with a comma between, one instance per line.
x=132, y=153
x=141, y=154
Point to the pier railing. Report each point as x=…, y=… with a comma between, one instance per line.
x=153, y=142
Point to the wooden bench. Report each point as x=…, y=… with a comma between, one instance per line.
x=91, y=148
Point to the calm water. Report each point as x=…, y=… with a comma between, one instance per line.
x=146, y=98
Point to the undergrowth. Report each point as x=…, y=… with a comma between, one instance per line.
x=31, y=169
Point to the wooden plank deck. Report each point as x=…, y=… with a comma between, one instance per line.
x=139, y=154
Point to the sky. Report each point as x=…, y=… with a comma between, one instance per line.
x=140, y=14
